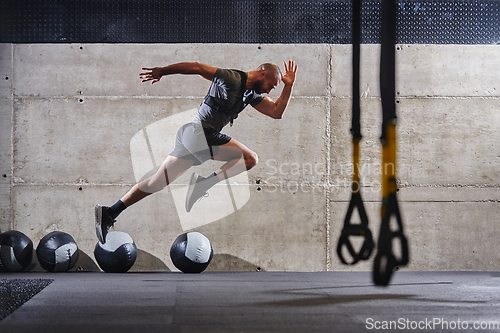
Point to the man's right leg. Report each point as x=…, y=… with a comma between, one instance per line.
x=171, y=169
x=238, y=158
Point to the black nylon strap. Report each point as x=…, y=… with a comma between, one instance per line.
x=356, y=41
x=359, y=229
x=385, y=261
x=388, y=63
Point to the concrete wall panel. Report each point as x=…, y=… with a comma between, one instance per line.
x=421, y=70
x=452, y=235
x=447, y=228
x=442, y=142
x=6, y=70
x=5, y=135
x=448, y=70
x=113, y=69
x=63, y=140
x=5, y=163
x=341, y=72
x=449, y=141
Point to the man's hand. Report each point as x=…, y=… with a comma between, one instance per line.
x=290, y=70
x=276, y=109
x=154, y=75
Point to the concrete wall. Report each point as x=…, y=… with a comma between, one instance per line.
x=69, y=113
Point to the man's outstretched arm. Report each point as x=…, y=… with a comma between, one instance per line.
x=156, y=73
x=277, y=109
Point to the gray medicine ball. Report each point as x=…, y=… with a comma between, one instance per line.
x=191, y=252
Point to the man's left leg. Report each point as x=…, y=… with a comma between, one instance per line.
x=239, y=158
x=171, y=168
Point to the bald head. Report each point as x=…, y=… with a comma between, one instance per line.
x=271, y=69
x=264, y=78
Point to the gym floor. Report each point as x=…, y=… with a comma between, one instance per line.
x=251, y=302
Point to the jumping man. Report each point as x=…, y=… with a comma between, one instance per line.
x=201, y=139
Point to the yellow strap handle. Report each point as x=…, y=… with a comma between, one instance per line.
x=389, y=161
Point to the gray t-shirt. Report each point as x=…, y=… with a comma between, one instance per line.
x=226, y=98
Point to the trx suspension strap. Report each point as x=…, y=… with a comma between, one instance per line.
x=358, y=229
x=385, y=260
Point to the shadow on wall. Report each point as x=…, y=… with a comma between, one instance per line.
x=144, y=262
x=227, y=262
x=147, y=262
x=84, y=264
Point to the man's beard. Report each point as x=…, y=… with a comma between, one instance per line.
x=258, y=87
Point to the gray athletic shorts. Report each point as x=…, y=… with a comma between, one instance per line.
x=196, y=143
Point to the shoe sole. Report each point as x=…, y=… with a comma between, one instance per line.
x=98, y=220
x=192, y=184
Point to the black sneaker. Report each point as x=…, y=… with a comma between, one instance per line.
x=103, y=222
x=195, y=190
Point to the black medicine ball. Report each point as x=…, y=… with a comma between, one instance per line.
x=57, y=252
x=118, y=254
x=16, y=251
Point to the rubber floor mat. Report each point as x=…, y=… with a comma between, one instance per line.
x=16, y=292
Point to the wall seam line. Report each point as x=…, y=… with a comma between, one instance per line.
x=328, y=156
x=12, y=137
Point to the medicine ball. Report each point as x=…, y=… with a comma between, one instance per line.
x=118, y=254
x=191, y=252
x=16, y=251
x=57, y=252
